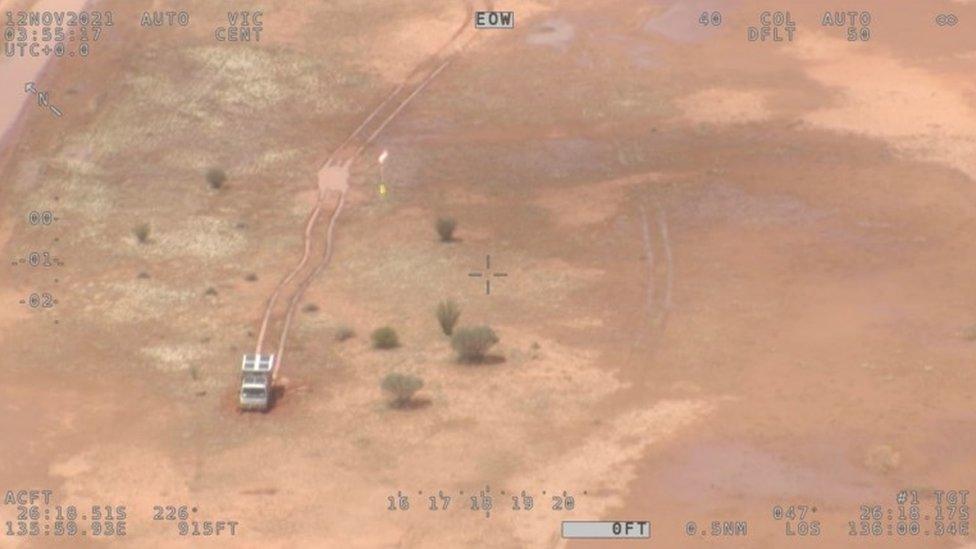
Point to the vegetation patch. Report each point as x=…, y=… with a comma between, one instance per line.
x=445, y=228
x=385, y=338
x=448, y=313
x=402, y=387
x=472, y=343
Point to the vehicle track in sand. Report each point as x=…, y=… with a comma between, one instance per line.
x=333, y=184
x=657, y=293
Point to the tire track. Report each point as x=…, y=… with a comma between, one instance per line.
x=310, y=225
x=662, y=223
x=649, y=256
x=336, y=168
x=663, y=307
x=657, y=301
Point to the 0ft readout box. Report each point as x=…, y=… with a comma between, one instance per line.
x=494, y=19
x=596, y=529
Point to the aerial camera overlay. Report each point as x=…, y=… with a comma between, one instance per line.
x=475, y=273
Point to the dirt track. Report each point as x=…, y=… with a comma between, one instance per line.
x=333, y=179
x=740, y=274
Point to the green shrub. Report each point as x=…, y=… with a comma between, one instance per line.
x=385, y=338
x=141, y=232
x=445, y=228
x=216, y=178
x=402, y=387
x=472, y=343
x=448, y=313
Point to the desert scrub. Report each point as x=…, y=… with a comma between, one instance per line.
x=385, y=338
x=216, y=178
x=343, y=333
x=448, y=313
x=472, y=343
x=401, y=387
x=141, y=232
x=445, y=228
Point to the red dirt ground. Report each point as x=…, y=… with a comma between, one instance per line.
x=740, y=275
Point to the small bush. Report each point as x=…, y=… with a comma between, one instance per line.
x=448, y=313
x=402, y=387
x=343, y=333
x=216, y=178
x=385, y=338
x=472, y=344
x=141, y=232
x=211, y=291
x=445, y=228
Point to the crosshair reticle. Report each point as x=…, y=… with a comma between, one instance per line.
x=487, y=274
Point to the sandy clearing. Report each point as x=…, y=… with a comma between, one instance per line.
x=557, y=33
x=390, y=55
x=603, y=199
x=334, y=178
x=914, y=110
x=9, y=314
x=605, y=461
x=724, y=106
